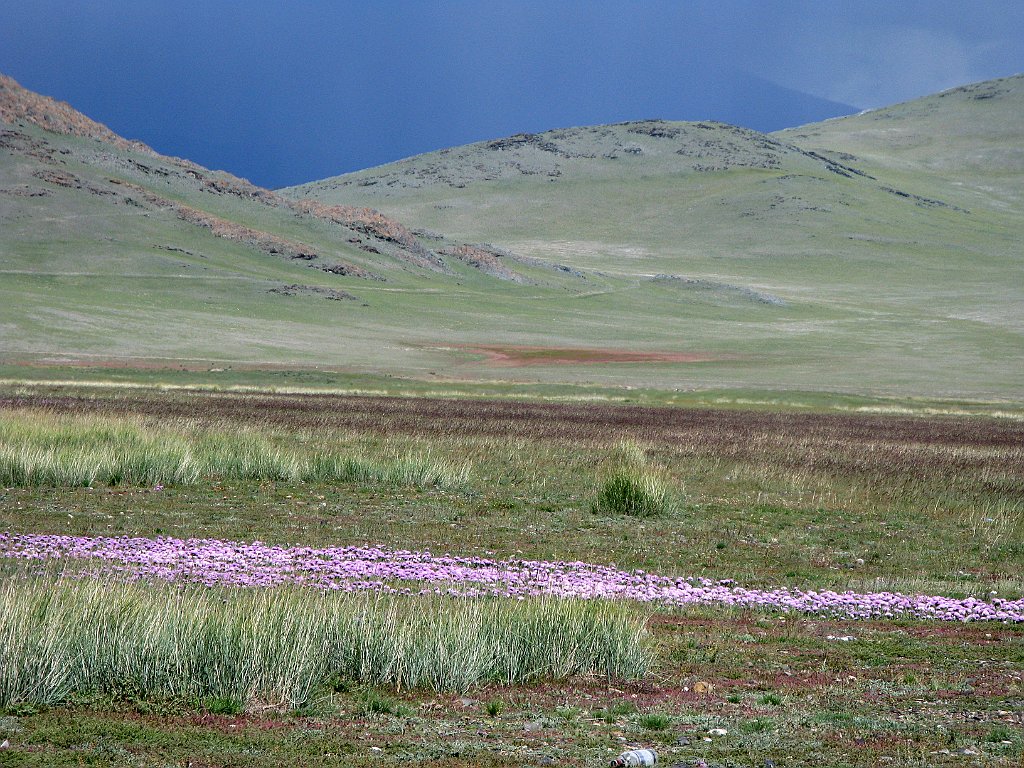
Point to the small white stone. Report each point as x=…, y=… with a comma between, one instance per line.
x=717, y=732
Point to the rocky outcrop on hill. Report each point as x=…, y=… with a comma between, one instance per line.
x=487, y=260
x=614, y=151
x=18, y=143
x=254, y=238
x=17, y=103
x=313, y=290
x=373, y=223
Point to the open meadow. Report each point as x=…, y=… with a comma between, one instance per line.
x=660, y=434
x=257, y=579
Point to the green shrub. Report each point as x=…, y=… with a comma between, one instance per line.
x=615, y=711
x=373, y=702
x=654, y=722
x=223, y=705
x=757, y=725
x=493, y=708
x=634, y=491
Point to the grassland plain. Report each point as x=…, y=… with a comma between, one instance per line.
x=732, y=259
x=768, y=498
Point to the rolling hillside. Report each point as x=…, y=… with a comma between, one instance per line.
x=670, y=255
x=883, y=249
x=111, y=252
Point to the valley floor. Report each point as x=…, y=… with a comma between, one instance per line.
x=802, y=498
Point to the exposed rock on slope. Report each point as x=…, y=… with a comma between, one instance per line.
x=486, y=260
x=263, y=241
x=20, y=104
x=17, y=103
x=592, y=152
x=369, y=222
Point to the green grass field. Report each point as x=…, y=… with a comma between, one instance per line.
x=801, y=498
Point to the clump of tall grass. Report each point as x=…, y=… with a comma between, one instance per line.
x=406, y=469
x=633, y=487
x=43, y=450
x=60, y=637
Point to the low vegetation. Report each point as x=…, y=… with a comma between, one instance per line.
x=775, y=503
x=633, y=487
x=65, y=638
x=38, y=449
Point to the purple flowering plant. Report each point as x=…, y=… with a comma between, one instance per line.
x=351, y=569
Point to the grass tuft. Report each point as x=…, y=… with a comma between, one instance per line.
x=41, y=450
x=61, y=638
x=633, y=487
x=636, y=492
x=654, y=721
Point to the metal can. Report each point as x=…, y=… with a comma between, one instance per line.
x=635, y=757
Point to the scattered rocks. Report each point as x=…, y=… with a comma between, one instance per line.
x=313, y=290
x=834, y=166
x=60, y=178
x=17, y=103
x=19, y=143
x=351, y=270
x=485, y=259
x=922, y=202
x=712, y=285
x=175, y=249
x=657, y=129
x=25, y=191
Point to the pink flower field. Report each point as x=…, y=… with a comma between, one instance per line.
x=351, y=569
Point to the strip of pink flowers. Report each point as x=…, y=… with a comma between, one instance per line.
x=351, y=569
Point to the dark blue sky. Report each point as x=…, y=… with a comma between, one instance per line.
x=288, y=91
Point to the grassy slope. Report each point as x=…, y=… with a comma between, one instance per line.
x=794, y=276
x=882, y=292
x=89, y=276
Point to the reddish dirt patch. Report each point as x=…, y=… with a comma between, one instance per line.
x=521, y=356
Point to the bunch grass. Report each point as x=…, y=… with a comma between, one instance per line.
x=634, y=487
x=63, y=637
x=42, y=450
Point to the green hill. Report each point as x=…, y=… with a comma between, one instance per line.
x=876, y=252
x=837, y=257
